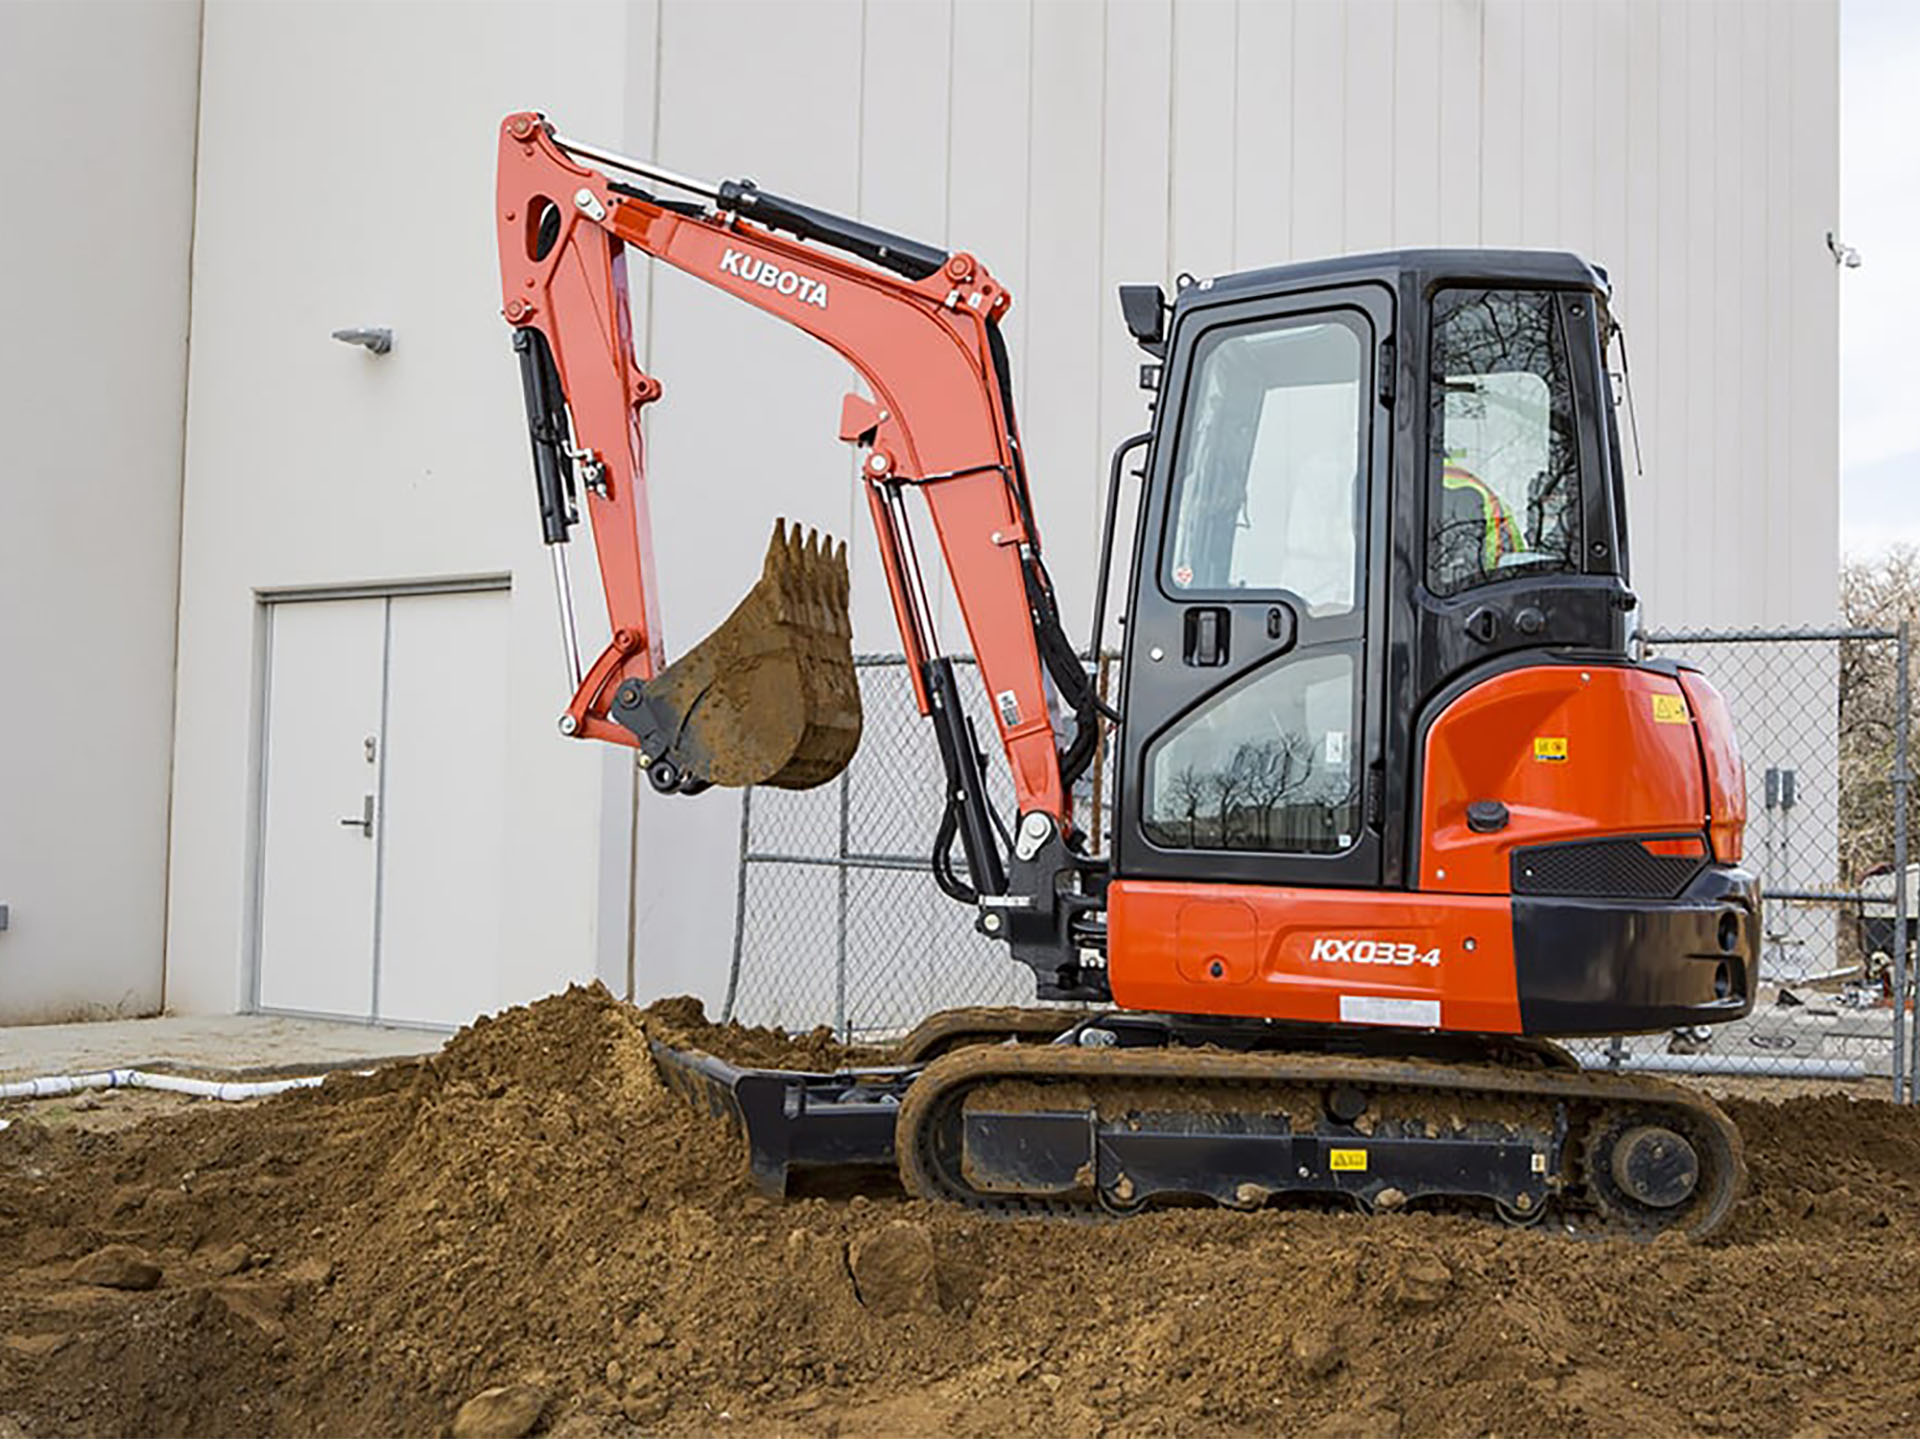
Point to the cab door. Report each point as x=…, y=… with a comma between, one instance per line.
x=1252, y=697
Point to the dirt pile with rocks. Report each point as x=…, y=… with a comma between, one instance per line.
x=528, y=1232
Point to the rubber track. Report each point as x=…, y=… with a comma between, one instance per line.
x=943, y=1086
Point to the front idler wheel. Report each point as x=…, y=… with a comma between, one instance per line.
x=1649, y=1174
x=1655, y=1166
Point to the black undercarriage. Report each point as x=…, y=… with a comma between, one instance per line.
x=1116, y=1112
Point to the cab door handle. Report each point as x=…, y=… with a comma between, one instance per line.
x=1281, y=627
x=1206, y=635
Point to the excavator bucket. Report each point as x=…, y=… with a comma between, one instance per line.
x=770, y=697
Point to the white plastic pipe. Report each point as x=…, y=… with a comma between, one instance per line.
x=47, y=1087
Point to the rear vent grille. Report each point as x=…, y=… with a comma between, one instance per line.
x=1617, y=868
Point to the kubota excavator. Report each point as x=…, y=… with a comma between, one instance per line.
x=1394, y=802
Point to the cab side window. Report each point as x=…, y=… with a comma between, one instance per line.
x=1504, y=490
x=1267, y=490
x=1267, y=764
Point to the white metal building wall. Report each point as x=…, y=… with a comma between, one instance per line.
x=1691, y=149
x=96, y=187
x=345, y=177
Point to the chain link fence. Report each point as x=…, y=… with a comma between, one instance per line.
x=1821, y=716
x=838, y=921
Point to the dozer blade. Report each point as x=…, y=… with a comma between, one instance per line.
x=770, y=697
x=791, y=1120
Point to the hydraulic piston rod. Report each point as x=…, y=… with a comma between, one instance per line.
x=657, y=173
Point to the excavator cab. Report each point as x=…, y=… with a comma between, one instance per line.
x=1307, y=576
x=1377, y=684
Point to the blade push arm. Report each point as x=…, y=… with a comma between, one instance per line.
x=939, y=418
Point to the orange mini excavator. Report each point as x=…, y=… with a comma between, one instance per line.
x=1394, y=803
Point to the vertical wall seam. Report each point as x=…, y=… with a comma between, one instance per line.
x=860, y=117
x=1233, y=149
x=646, y=364
x=1173, y=140
x=1100, y=267
x=1293, y=102
x=1792, y=275
x=1026, y=187
x=380, y=806
x=1393, y=128
x=653, y=146
x=1593, y=137
x=254, y=933
x=1480, y=136
x=1652, y=310
x=946, y=194
x=180, y=499
x=1346, y=137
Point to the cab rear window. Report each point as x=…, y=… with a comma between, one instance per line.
x=1504, y=490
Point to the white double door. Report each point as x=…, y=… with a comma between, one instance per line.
x=382, y=838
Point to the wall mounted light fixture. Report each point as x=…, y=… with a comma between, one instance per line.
x=378, y=339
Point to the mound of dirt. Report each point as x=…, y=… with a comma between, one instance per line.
x=682, y=1021
x=532, y=1217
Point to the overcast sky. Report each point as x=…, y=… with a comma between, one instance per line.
x=1880, y=302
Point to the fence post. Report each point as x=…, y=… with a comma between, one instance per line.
x=842, y=1024
x=739, y=906
x=1902, y=971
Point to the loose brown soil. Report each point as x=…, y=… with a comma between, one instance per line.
x=532, y=1212
x=683, y=1022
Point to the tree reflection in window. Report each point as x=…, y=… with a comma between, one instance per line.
x=1266, y=765
x=1505, y=492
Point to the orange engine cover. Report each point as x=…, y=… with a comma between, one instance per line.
x=1573, y=753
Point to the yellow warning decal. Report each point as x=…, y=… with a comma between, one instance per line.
x=1348, y=1159
x=1549, y=747
x=1670, y=710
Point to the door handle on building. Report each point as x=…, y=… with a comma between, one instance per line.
x=364, y=819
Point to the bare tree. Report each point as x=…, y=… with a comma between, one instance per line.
x=1186, y=788
x=1875, y=594
x=1227, y=786
x=1271, y=771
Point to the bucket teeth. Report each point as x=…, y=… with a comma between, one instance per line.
x=770, y=697
x=808, y=576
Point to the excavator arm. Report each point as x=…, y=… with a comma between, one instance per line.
x=921, y=328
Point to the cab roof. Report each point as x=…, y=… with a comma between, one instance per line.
x=1422, y=269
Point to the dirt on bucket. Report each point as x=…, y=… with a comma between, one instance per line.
x=530, y=1231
